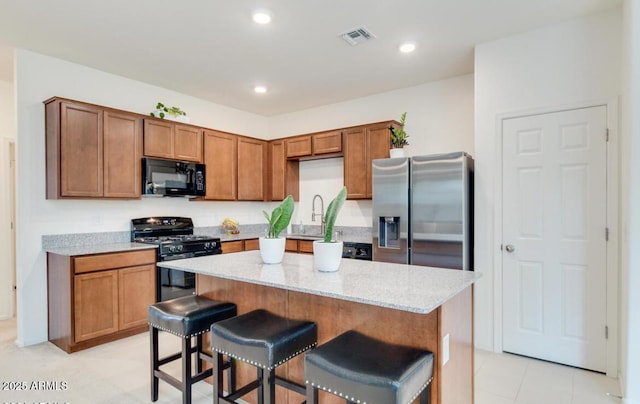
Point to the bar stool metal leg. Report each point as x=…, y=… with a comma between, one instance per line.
x=312, y=395
x=153, y=333
x=199, y=361
x=186, y=371
x=425, y=396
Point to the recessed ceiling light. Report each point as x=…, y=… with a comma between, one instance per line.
x=260, y=89
x=262, y=17
x=407, y=47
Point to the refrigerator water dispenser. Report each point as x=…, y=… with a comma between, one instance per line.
x=389, y=229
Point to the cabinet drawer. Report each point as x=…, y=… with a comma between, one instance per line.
x=305, y=246
x=91, y=263
x=232, y=246
x=250, y=245
x=329, y=142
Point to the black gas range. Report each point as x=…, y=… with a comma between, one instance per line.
x=175, y=240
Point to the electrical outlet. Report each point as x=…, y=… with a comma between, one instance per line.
x=445, y=349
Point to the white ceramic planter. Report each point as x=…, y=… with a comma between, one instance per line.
x=272, y=249
x=393, y=153
x=327, y=256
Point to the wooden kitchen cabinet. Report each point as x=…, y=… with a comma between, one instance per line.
x=362, y=145
x=283, y=174
x=251, y=244
x=93, y=299
x=95, y=304
x=92, y=151
x=252, y=161
x=169, y=140
x=315, y=145
x=122, y=153
x=135, y=295
x=291, y=245
x=240, y=245
x=298, y=146
x=220, y=158
x=327, y=142
x=305, y=246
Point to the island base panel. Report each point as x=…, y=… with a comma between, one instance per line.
x=452, y=383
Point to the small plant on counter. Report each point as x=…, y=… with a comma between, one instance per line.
x=398, y=135
x=332, y=214
x=280, y=217
x=161, y=111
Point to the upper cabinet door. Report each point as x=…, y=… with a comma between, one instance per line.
x=378, y=138
x=328, y=142
x=220, y=158
x=187, y=143
x=355, y=162
x=122, y=153
x=299, y=146
x=158, y=138
x=81, y=155
x=277, y=170
x=252, y=158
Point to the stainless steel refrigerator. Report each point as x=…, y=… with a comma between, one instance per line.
x=423, y=210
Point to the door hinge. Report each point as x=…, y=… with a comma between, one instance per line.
x=607, y=134
x=606, y=234
x=606, y=332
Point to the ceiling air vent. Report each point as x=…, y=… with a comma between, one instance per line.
x=357, y=36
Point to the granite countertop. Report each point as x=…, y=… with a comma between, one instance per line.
x=403, y=287
x=98, y=248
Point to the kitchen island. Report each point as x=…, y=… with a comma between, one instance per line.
x=430, y=308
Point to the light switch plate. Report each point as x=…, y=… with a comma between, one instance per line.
x=445, y=349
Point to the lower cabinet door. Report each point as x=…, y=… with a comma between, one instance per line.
x=95, y=304
x=136, y=294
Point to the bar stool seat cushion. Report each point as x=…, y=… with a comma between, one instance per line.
x=263, y=339
x=188, y=316
x=363, y=369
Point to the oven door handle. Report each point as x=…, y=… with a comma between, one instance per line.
x=176, y=257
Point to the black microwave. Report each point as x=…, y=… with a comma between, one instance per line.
x=172, y=178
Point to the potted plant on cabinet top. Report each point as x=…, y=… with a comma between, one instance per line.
x=272, y=246
x=327, y=253
x=172, y=113
x=399, y=139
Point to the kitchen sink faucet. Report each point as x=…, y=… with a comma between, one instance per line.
x=321, y=214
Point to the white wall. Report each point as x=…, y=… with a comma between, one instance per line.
x=630, y=205
x=439, y=119
x=7, y=135
x=573, y=62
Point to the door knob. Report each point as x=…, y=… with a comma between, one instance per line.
x=510, y=248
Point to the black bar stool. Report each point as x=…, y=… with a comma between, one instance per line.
x=361, y=369
x=265, y=341
x=185, y=317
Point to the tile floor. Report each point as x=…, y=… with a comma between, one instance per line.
x=118, y=373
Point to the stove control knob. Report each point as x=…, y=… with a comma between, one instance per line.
x=179, y=247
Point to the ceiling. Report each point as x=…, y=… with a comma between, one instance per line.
x=213, y=50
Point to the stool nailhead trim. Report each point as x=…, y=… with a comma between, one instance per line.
x=178, y=334
x=346, y=396
x=254, y=363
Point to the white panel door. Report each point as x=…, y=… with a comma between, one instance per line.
x=554, y=242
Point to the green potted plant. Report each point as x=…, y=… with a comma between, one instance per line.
x=399, y=138
x=174, y=113
x=327, y=253
x=272, y=246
